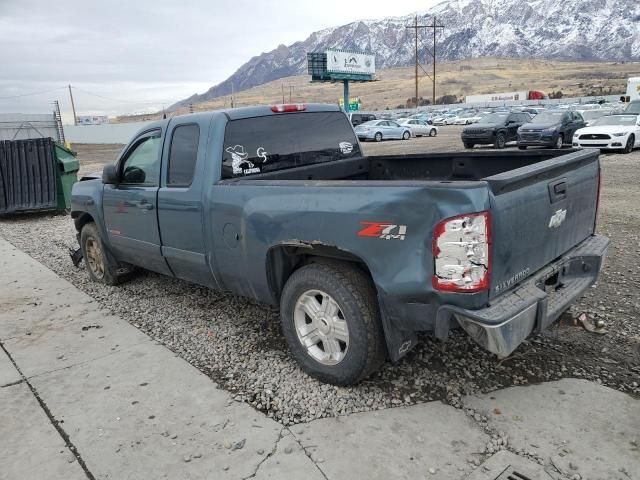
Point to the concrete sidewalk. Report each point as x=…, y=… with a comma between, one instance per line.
x=83, y=394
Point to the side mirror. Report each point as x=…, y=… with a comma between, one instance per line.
x=110, y=175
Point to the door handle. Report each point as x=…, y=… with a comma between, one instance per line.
x=558, y=190
x=143, y=204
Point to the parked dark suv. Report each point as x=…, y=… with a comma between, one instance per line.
x=495, y=128
x=550, y=129
x=358, y=118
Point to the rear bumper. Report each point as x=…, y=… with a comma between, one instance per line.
x=532, y=306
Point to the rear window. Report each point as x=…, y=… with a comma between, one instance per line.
x=277, y=142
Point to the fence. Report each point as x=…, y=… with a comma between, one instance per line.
x=24, y=126
x=106, y=133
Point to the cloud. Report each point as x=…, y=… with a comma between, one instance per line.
x=145, y=53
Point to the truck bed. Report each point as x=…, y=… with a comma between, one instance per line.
x=443, y=167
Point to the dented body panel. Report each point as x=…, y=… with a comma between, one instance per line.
x=247, y=233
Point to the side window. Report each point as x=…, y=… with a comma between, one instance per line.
x=142, y=165
x=183, y=155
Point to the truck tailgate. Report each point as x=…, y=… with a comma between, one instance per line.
x=540, y=212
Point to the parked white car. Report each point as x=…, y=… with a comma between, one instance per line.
x=419, y=128
x=612, y=132
x=467, y=119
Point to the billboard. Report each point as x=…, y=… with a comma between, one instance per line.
x=340, y=61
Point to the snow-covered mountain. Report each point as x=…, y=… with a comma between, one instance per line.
x=551, y=29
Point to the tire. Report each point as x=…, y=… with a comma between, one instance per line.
x=468, y=145
x=433, y=132
x=352, y=292
x=500, y=141
x=406, y=136
x=628, y=148
x=101, y=269
x=522, y=147
x=559, y=143
x=377, y=137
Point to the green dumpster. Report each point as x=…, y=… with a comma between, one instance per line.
x=66, y=175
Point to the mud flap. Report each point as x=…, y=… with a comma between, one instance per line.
x=399, y=342
x=76, y=256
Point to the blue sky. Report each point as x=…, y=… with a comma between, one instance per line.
x=132, y=56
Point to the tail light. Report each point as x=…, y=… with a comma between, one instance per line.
x=289, y=107
x=461, y=253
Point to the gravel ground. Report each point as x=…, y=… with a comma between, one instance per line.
x=238, y=343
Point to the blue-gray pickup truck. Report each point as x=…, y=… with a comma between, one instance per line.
x=279, y=204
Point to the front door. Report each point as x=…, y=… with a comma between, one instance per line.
x=130, y=207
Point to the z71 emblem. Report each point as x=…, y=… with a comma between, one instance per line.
x=557, y=218
x=384, y=230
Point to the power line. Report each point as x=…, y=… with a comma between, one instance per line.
x=32, y=93
x=120, y=100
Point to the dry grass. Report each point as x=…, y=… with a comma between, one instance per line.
x=483, y=75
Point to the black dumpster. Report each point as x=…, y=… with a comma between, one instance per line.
x=27, y=175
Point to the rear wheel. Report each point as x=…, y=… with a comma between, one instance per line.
x=628, y=147
x=331, y=322
x=406, y=135
x=500, y=142
x=101, y=269
x=468, y=145
x=433, y=132
x=378, y=137
x=522, y=147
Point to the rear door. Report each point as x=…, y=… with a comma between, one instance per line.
x=180, y=203
x=540, y=212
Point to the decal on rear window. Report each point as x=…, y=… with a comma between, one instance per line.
x=240, y=164
x=345, y=148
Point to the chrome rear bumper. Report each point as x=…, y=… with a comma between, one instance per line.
x=535, y=303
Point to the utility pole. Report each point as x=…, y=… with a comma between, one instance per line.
x=290, y=93
x=415, y=27
x=73, y=107
x=282, y=85
x=231, y=94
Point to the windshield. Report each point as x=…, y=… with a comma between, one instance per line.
x=616, y=120
x=633, y=107
x=370, y=123
x=494, y=118
x=548, y=117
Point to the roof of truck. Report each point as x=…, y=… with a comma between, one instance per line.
x=244, y=112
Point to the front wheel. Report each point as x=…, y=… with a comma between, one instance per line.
x=628, y=148
x=331, y=321
x=98, y=264
x=406, y=135
x=468, y=145
x=500, y=142
x=378, y=137
x=559, y=142
x=522, y=147
x=433, y=132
